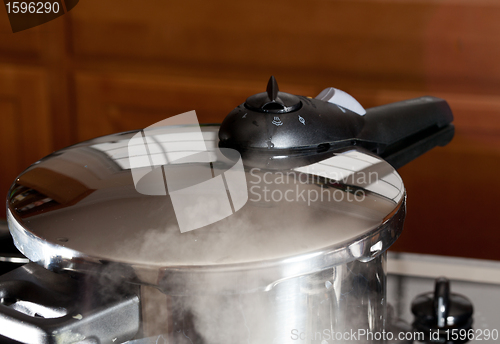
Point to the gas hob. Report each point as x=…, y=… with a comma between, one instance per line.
x=410, y=275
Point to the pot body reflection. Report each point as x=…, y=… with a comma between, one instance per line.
x=344, y=303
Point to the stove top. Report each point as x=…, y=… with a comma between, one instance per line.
x=410, y=275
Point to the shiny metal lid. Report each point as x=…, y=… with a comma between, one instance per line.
x=85, y=207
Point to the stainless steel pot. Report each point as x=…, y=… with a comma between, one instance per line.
x=300, y=259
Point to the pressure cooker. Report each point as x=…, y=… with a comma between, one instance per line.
x=270, y=228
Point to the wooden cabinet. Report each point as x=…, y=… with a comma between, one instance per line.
x=25, y=130
x=26, y=43
x=117, y=102
x=452, y=191
x=110, y=66
x=415, y=44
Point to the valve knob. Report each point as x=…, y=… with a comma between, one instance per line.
x=441, y=310
x=273, y=101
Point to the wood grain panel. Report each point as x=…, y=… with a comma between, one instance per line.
x=432, y=42
x=355, y=36
x=453, y=201
x=25, y=43
x=11, y=160
x=452, y=190
x=114, y=103
x=44, y=47
x=25, y=130
x=58, y=65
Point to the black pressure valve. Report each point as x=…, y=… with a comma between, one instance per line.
x=441, y=315
x=278, y=130
x=273, y=101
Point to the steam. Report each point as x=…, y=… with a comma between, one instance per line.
x=306, y=309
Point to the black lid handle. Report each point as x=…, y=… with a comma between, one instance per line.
x=400, y=132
